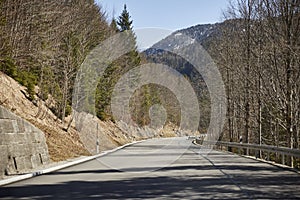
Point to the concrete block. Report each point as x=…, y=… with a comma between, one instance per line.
x=30, y=149
x=3, y=138
x=11, y=165
x=21, y=127
x=27, y=127
x=17, y=150
x=33, y=149
x=20, y=163
x=5, y=114
x=40, y=137
x=35, y=160
x=28, y=138
x=28, y=163
x=6, y=126
x=39, y=149
x=12, y=139
x=15, y=126
x=3, y=151
x=3, y=161
x=11, y=150
x=45, y=158
x=34, y=137
x=19, y=138
x=35, y=129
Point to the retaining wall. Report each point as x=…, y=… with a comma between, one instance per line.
x=22, y=146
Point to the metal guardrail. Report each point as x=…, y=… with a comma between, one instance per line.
x=280, y=150
x=283, y=152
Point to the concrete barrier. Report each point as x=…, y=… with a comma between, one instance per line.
x=22, y=146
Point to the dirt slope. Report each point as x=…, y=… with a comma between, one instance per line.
x=62, y=145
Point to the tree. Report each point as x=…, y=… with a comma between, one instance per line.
x=114, y=25
x=6, y=63
x=124, y=22
x=44, y=42
x=116, y=69
x=258, y=54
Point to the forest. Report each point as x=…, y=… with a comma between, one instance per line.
x=259, y=57
x=43, y=44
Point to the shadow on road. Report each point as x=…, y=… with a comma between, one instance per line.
x=192, y=176
x=176, y=187
x=180, y=168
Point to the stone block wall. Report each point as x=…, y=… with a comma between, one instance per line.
x=22, y=146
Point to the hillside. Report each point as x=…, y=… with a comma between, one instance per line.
x=63, y=145
x=163, y=52
x=203, y=33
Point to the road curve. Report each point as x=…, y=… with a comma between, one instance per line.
x=162, y=169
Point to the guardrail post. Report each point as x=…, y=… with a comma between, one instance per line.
x=97, y=146
x=256, y=154
x=268, y=156
x=283, y=158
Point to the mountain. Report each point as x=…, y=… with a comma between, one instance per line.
x=164, y=52
x=203, y=33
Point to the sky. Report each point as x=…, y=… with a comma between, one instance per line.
x=155, y=19
x=167, y=14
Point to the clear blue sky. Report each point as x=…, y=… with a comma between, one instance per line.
x=167, y=14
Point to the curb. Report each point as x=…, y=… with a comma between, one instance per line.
x=66, y=165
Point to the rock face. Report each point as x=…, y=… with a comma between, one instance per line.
x=22, y=146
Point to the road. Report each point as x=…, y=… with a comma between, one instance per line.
x=162, y=169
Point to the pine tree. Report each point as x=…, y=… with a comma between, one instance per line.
x=113, y=25
x=124, y=21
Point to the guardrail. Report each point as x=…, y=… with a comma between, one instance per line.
x=283, y=155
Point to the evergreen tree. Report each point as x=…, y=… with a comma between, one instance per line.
x=113, y=25
x=124, y=21
x=116, y=69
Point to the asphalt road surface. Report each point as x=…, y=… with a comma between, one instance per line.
x=162, y=169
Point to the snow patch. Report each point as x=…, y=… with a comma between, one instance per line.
x=178, y=34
